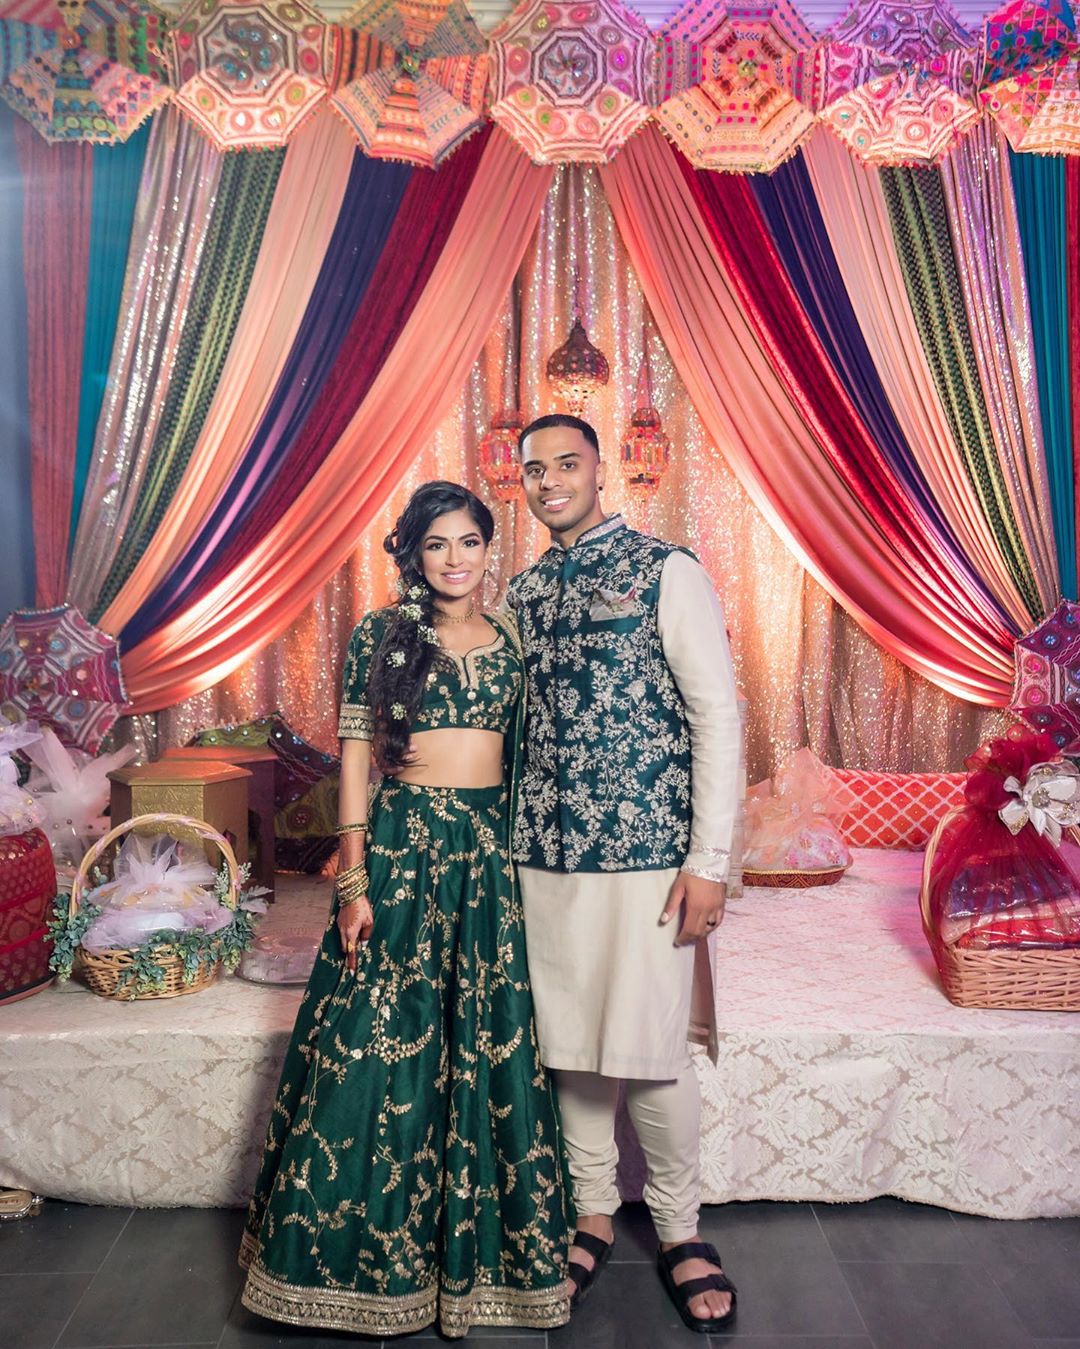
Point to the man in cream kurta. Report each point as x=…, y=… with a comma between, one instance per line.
x=623, y=833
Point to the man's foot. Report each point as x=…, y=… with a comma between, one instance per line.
x=597, y=1227
x=699, y=1266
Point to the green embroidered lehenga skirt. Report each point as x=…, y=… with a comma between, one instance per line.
x=413, y=1170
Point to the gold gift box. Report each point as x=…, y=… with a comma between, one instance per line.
x=216, y=793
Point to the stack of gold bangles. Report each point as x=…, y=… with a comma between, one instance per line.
x=352, y=883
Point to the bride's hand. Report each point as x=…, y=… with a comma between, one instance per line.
x=355, y=922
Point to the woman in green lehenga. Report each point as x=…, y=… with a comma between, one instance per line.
x=413, y=1170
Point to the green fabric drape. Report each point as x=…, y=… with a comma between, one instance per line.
x=1039, y=189
x=117, y=174
x=919, y=219
x=244, y=196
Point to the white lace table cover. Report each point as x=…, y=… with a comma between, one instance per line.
x=844, y=1073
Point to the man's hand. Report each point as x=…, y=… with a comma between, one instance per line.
x=703, y=907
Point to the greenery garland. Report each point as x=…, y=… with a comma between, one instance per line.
x=198, y=950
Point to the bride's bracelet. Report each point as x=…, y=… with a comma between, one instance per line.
x=352, y=885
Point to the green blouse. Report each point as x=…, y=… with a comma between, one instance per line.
x=480, y=690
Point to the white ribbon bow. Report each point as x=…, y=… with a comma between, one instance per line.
x=1049, y=800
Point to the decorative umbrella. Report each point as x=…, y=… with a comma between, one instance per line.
x=1025, y=38
x=429, y=97
x=20, y=42
x=1040, y=111
x=1046, y=688
x=898, y=81
x=57, y=668
x=572, y=81
x=249, y=73
x=729, y=101
x=84, y=70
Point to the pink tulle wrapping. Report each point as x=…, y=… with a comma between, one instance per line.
x=791, y=820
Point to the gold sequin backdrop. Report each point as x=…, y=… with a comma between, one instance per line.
x=810, y=674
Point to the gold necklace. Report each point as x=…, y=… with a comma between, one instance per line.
x=442, y=617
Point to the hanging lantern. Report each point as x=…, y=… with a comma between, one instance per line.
x=646, y=450
x=500, y=462
x=577, y=369
x=498, y=453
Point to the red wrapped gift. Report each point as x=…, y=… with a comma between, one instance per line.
x=27, y=891
x=996, y=874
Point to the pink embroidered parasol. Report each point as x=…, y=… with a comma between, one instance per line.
x=249, y=73
x=1040, y=112
x=1028, y=48
x=428, y=96
x=20, y=42
x=1046, y=688
x=728, y=100
x=571, y=82
x=898, y=82
x=1026, y=38
x=58, y=669
x=84, y=70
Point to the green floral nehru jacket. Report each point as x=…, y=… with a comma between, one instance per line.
x=606, y=782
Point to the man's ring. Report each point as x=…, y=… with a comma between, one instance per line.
x=350, y=946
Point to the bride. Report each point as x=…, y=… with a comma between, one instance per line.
x=413, y=1170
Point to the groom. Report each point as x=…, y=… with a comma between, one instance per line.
x=622, y=838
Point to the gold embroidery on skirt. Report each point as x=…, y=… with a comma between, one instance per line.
x=370, y=1314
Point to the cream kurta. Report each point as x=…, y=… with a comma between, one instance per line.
x=613, y=993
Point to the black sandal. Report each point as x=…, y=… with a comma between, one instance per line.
x=682, y=1293
x=583, y=1278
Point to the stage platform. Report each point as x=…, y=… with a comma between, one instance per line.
x=844, y=1073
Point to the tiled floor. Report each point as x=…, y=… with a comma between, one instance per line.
x=883, y=1275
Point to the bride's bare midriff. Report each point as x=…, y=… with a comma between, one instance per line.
x=455, y=757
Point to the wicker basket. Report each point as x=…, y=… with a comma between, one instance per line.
x=1018, y=980
x=102, y=971
x=785, y=878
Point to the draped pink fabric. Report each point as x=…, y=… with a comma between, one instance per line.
x=763, y=432
x=417, y=383
x=56, y=243
x=298, y=230
x=853, y=208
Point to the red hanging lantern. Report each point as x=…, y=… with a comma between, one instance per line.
x=646, y=451
x=498, y=454
x=500, y=462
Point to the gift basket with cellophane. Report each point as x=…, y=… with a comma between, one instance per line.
x=165, y=922
x=792, y=838
x=1000, y=894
